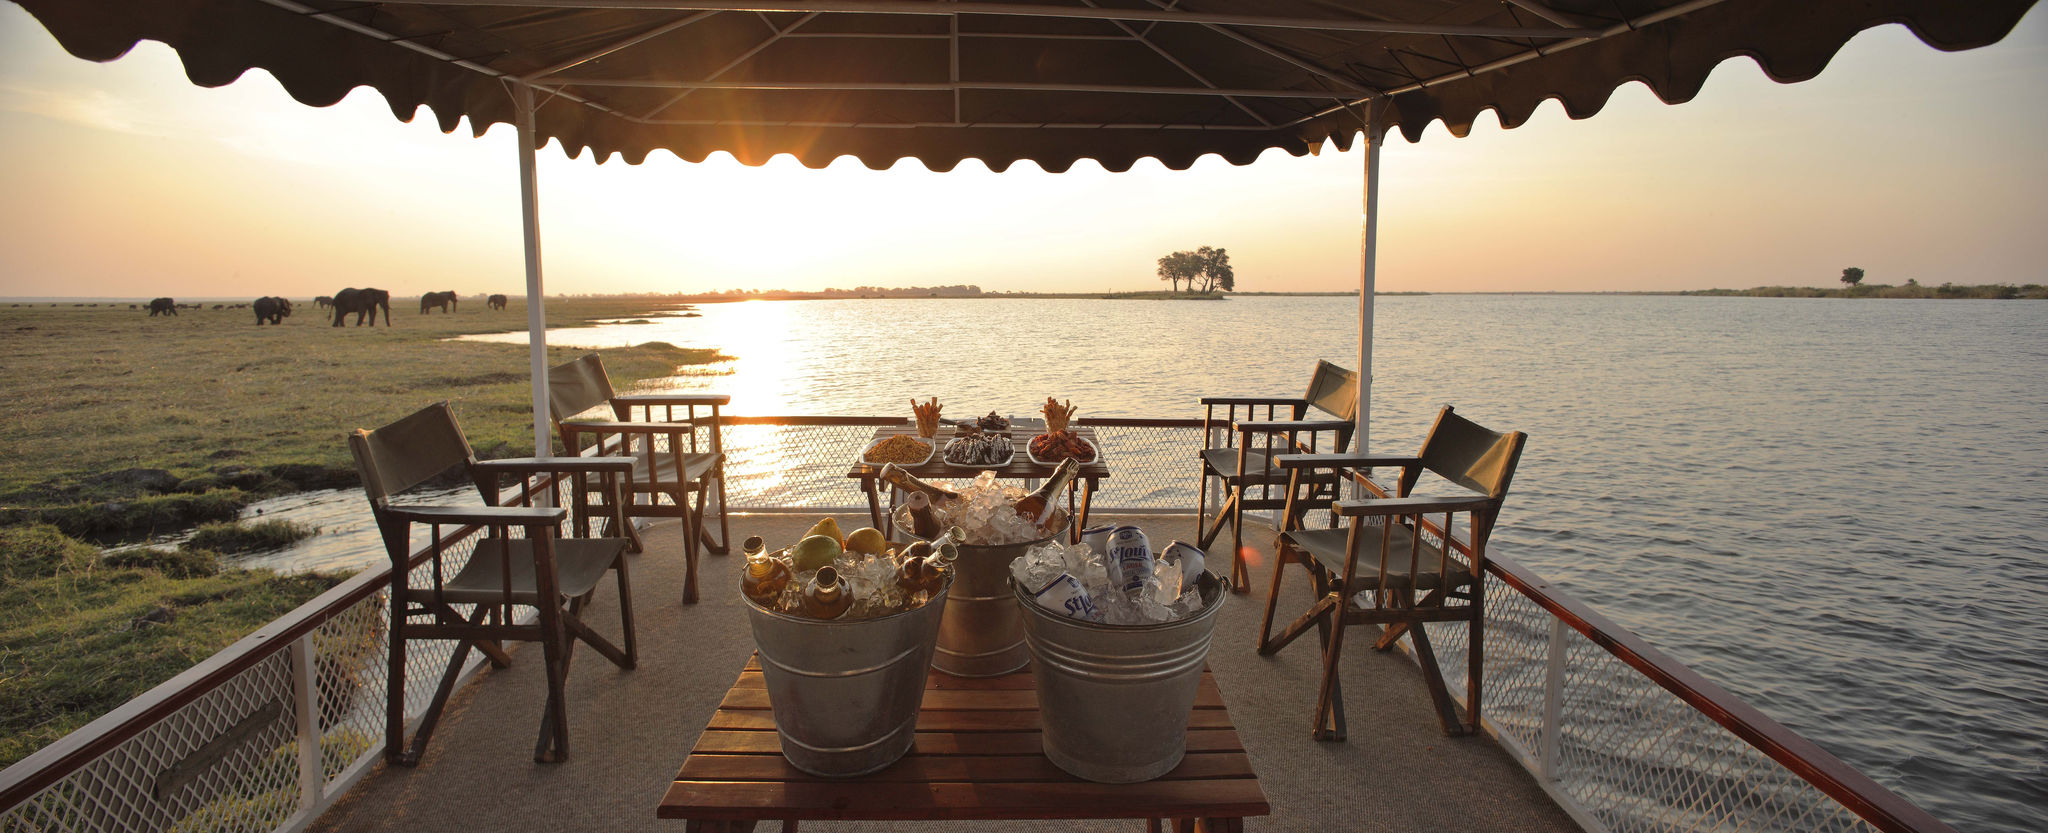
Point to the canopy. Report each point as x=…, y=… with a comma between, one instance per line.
x=1053, y=82
x=940, y=81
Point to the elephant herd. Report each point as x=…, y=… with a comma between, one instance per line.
x=364, y=303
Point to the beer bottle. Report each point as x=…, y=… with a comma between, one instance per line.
x=939, y=564
x=1037, y=507
x=939, y=495
x=924, y=520
x=765, y=576
x=826, y=597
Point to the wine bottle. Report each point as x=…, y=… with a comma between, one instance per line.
x=1037, y=507
x=924, y=520
x=940, y=495
x=765, y=576
x=826, y=597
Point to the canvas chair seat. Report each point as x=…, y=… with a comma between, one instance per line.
x=1258, y=468
x=655, y=471
x=1326, y=546
x=580, y=563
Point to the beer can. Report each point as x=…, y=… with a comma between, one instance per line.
x=1064, y=596
x=1097, y=538
x=1190, y=559
x=1129, y=557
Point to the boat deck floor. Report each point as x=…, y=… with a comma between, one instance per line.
x=631, y=730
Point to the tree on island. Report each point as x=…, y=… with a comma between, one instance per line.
x=1209, y=265
x=1852, y=276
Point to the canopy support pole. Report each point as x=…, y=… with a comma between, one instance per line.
x=536, y=315
x=1368, y=255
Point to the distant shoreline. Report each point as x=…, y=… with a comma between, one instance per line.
x=1867, y=291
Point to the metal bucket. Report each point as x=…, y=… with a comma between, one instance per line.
x=982, y=635
x=846, y=693
x=1113, y=700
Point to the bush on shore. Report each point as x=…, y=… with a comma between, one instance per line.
x=248, y=537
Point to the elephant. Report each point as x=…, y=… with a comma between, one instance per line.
x=162, y=306
x=272, y=309
x=495, y=302
x=220, y=306
x=361, y=301
x=444, y=300
x=323, y=302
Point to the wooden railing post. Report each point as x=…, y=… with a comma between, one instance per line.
x=1553, y=702
x=306, y=707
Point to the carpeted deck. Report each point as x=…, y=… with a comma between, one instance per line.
x=631, y=730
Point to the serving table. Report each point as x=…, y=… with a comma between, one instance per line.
x=1020, y=467
x=976, y=756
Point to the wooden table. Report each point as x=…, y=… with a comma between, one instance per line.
x=976, y=756
x=1020, y=468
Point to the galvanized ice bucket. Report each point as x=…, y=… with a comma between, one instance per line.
x=982, y=635
x=846, y=693
x=1114, y=701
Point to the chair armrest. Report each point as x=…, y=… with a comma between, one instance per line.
x=1289, y=426
x=524, y=465
x=674, y=399
x=479, y=515
x=1255, y=400
x=628, y=427
x=1343, y=461
x=1411, y=505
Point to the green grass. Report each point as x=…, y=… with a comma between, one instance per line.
x=217, y=402
x=233, y=538
x=74, y=641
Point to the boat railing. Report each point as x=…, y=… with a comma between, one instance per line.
x=266, y=734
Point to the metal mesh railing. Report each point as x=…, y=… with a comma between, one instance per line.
x=1620, y=752
x=267, y=746
x=775, y=465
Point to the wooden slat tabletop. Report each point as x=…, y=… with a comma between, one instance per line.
x=976, y=755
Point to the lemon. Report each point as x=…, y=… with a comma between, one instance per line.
x=867, y=540
x=829, y=528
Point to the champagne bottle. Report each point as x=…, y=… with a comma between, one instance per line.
x=939, y=495
x=924, y=519
x=1037, y=507
x=765, y=576
x=826, y=597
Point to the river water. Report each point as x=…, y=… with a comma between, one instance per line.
x=1833, y=508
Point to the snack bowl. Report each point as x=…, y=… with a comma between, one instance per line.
x=993, y=464
x=931, y=450
x=1033, y=455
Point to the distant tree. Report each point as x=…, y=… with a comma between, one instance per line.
x=1180, y=266
x=1852, y=276
x=1216, y=271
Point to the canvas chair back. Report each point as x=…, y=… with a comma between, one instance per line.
x=406, y=453
x=1465, y=453
x=1334, y=391
x=577, y=386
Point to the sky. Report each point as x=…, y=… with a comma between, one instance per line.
x=125, y=180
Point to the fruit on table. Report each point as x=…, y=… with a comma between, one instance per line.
x=814, y=552
x=828, y=527
x=867, y=540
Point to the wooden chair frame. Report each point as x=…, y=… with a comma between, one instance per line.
x=400, y=456
x=1408, y=581
x=1257, y=429
x=670, y=459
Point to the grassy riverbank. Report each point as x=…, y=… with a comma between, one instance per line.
x=116, y=420
x=118, y=423
x=80, y=635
